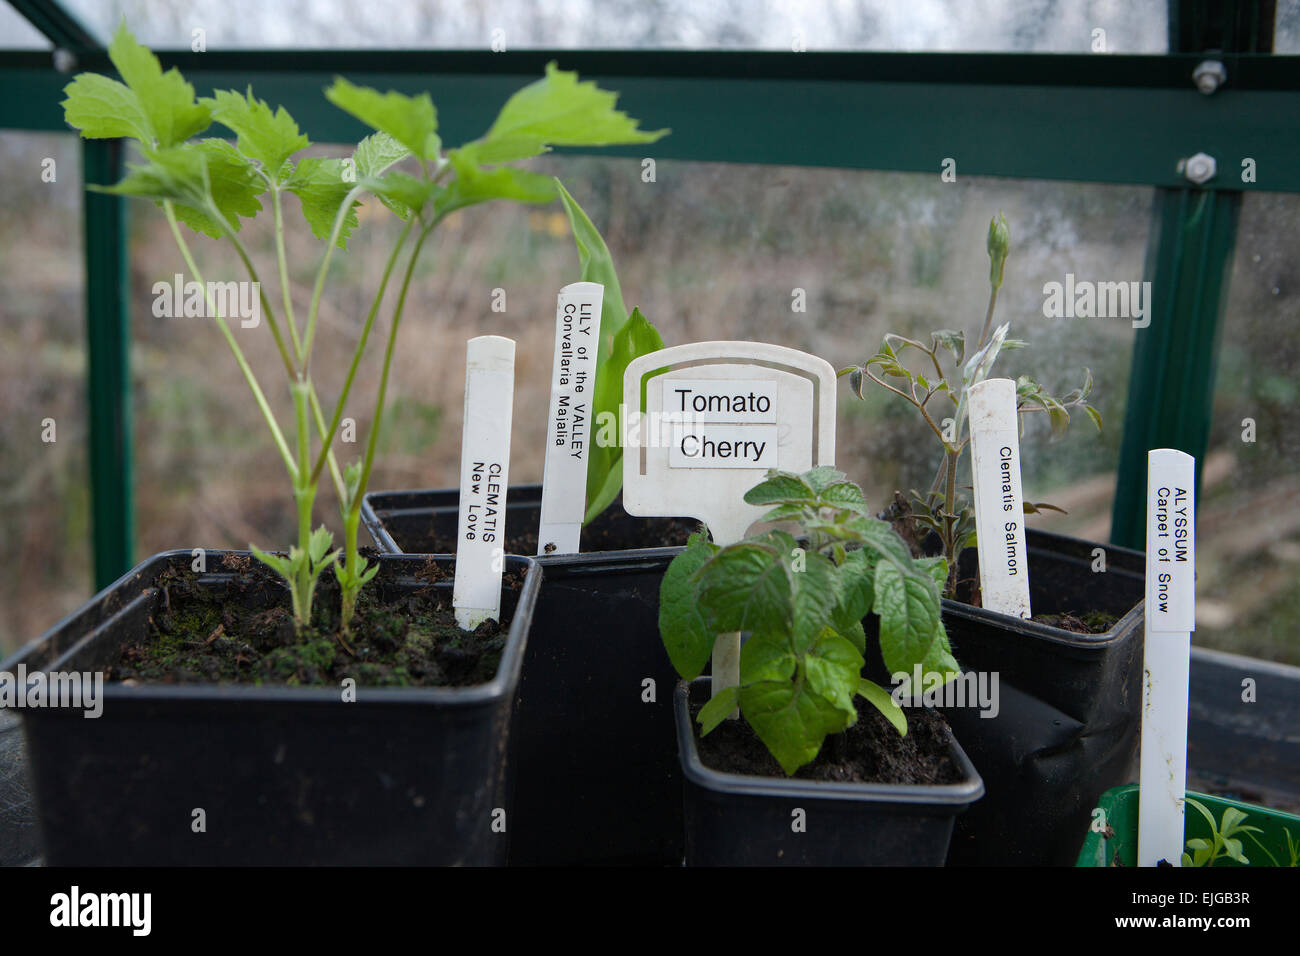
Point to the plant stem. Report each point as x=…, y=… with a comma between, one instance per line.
x=988, y=318
x=352, y=566
x=283, y=265
x=304, y=494
x=373, y=437
x=328, y=435
x=271, y=321
x=244, y=367
x=950, y=538
x=339, y=219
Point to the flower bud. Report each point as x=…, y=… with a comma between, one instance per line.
x=999, y=243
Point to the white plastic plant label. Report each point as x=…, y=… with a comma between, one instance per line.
x=999, y=498
x=484, y=477
x=569, y=425
x=1171, y=542
x=714, y=418
x=1170, y=619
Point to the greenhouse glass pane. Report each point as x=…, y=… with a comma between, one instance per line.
x=1248, y=527
x=1075, y=26
x=1286, y=31
x=17, y=33
x=44, y=488
x=816, y=259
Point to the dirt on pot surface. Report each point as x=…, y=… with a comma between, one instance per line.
x=871, y=751
x=243, y=633
x=1091, y=622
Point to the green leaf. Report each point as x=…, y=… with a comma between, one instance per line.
x=746, y=587
x=376, y=153
x=954, y=342
x=834, y=668
x=321, y=188
x=597, y=266
x=939, y=659
x=856, y=380
x=682, y=625
x=404, y=192
x=274, y=561
x=373, y=157
x=880, y=698
x=785, y=512
x=637, y=337
x=269, y=137
x=607, y=491
x=319, y=543
x=473, y=185
x=815, y=593
x=908, y=606
x=845, y=495
x=857, y=584
x=234, y=186
x=766, y=656
x=1231, y=817
x=164, y=109
x=717, y=709
x=1094, y=415
x=604, y=464
x=880, y=538
x=101, y=108
x=176, y=174
x=1200, y=808
x=780, y=487
x=822, y=477
x=556, y=110
x=850, y=628
x=411, y=120
x=1059, y=418
x=791, y=721
x=937, y=568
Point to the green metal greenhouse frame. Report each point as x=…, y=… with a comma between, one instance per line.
x=1098, y=118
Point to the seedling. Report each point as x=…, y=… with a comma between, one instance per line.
x=210, y=185
x=1224, y=842
x=803, y=606
x=945, y=509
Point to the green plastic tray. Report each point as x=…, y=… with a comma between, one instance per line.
x=1121, y=808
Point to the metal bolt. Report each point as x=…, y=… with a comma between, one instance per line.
x=65, y=61
x=1200, y=168
x=1209, y=76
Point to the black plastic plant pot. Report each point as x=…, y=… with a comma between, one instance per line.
x=1068, y=705
x=596, y=778
x=740, y=820
x=425, y=522
x=283, y=775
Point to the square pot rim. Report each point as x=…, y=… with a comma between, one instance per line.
x=959, y=794
x=385, y=542
x=500, y=686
